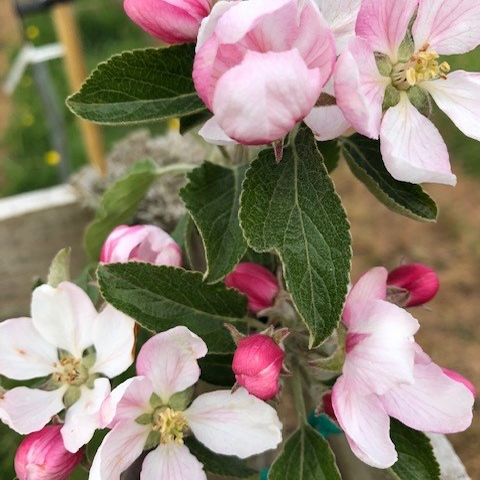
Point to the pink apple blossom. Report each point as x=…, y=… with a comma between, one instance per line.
x=258, y=80
x=386, y=374
x=172, y=21
x=141, y=243
x=152, y=411
x=256, y=282
x=389, y=70
x=42, y=455
x=460, y=378
x=73, y=345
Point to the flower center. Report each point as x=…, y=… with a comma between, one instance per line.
x=170, y=424
x=71, y=371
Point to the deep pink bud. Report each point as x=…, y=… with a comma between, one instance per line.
x=461, y=379
x=172, y=21
x=256, y=282
x=328, y=406
x=43, y=456
x=420, y=281
x=257, y=364
x=142, y=243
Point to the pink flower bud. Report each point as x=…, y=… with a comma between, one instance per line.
x=43, y=456
x=420, y=281
x=256, y=282
x=257, y=364
x=172, y=21
x=328, y=406
x=142, y=243
x=461, y=379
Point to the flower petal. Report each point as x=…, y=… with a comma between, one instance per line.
x=384, y=24
x=359, y=88
x=459, y=97
x=365, y=423
x=169, y=361
x=213, y=133
x=234, y=423
x=412, y=148
x=449, y=27
x=28, y=410
x=64, y=316
x=208, y=25
x=114, y=340
x=84, y=417
x=119, y=449
x=172, y=462
x=24, y=353
x=120, y=243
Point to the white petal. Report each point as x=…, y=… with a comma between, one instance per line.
x=114, y=341
x=234, y=423
x=172, y=462
x=64, y=316
x=28, y=410
x=459, y=97
x=213, y=133
x=169, y=361
x=24, y=353
x=327, y=122
x=84, y=417
x=412, y=148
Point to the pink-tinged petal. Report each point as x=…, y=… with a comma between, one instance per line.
x=119, y=449
x=234, y=423
x=327, y=123
x=207, y=28
x=169, y=361
x=24, y=353
x=172, y=462
x=458, y=377
x=84, y=417
x=459, y=97
x=384, y=24
x=114, y=341
x=433, y=403
x=212, y=133
x=412, y=148
x=120, y=243
x=158, y=248
x=371, y=286
x=64, y=316
x=366, y=424
x=359, y=88
x=262, y=99
x=27, y=410
x=449, y=27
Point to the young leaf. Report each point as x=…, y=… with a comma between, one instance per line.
x=60, y=268
x=416, y=460
x=223, y=465
x=118, y=205
x=139, y=86
x=365, y=160
x=212, y=197
x=306, y=456
x=160, y=297
x=293, y=208
x=217, y=370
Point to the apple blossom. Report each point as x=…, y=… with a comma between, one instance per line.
x=142, y=243
x=257, y=80
x=460, y=378
x=172, y=21
x=78, y=350
x=385, y=77
x=42, y=455
x=386, y=374
x=151, y=411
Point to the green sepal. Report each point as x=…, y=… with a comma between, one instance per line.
x=181, y=400
x=145, y=419
x=153, y=440
x=60, y=268
x=155, y=401
x=72, y=396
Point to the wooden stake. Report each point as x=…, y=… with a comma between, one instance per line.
x=69, y=36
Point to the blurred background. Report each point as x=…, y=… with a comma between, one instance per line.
x=29, y=161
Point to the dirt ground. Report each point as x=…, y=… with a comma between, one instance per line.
x=450, y=328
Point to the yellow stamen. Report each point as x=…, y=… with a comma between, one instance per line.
x=70, y=371
x=170, y=424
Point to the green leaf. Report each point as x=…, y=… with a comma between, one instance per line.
x=118, y=205
x=331, y=153
x=212, y=197
x=365, y=160
x=416, y=460
x=139, y=86
x=60, y=268
x=195, y=120
x=160, y=297
x=293, y=208
x=217, y=370
x=306, y=456
x=223, y=465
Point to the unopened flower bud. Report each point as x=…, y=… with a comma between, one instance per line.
x=256, y=282
x=142, y=243
x=461, y=379
x=328, y=406
x=257, y=364
x=419, y=282
x=43, y=456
